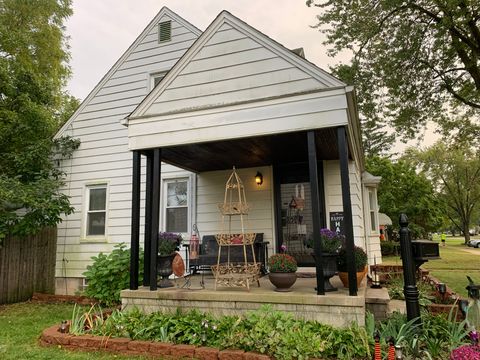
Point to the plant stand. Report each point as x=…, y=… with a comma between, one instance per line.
x=230, y=274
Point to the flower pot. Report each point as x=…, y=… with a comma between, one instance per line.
x=164, y=269
x=282, y=281
x=329, y=264
x=344, y=277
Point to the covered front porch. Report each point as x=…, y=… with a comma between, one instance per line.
x=301, y=155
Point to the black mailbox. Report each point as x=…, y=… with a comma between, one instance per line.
x=424, y=250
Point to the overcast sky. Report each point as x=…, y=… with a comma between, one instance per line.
x=101, y=31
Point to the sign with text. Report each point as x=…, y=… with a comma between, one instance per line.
x=337, y=223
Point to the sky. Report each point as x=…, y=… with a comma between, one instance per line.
x=101, y=31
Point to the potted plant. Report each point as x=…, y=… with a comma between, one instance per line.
x=331, y=245
x=282, y=273
x=361, y=261
x=168, y=245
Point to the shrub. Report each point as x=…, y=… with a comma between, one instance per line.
x=265, y=330
x=389, y=248
x=282, y=263
x=109, y=274
x=361, y=259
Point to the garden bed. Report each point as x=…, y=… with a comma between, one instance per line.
x=429, y=295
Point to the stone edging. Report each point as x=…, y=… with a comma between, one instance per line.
x=53, y=337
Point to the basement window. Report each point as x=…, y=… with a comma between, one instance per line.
x=164, y=31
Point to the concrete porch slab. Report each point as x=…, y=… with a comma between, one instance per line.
x=335, y=308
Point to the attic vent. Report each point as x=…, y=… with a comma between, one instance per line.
x=164, y=31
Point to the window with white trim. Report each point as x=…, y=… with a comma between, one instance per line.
x=156, y=78
x=177, y=205
x=372, y=199
x=96, y=210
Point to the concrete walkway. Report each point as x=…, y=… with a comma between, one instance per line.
x=472, y=251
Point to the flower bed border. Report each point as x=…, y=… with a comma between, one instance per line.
x=53, y=337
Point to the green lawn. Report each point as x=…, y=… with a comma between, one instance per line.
x=453, y=266
x=21, y=325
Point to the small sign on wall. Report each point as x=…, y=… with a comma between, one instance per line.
x=337, y=223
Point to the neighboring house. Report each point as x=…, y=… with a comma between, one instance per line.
x=230, y=96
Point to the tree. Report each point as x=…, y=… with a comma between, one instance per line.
x=455, y=169
x=402, y=190
x=377, y=141
x=414, y=58
x=33, y=71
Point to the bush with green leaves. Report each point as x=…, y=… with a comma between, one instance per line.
x=389, y=248
x=265, y=330
x=109, y=274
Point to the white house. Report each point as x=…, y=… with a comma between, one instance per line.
x=203, y=102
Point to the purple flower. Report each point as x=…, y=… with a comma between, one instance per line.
x=474, y=336
x=283, y=248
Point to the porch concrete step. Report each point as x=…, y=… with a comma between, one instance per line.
x=377, y=302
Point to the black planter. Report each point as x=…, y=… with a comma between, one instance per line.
x=164, y=269
x=329, y=262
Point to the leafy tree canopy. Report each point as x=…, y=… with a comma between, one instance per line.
x=412, y=59
x=402, y=190
x=455, y=169
x=33, y=71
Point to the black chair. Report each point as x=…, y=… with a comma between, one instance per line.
x=209, y=253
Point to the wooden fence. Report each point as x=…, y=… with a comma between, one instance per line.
x=27, y=265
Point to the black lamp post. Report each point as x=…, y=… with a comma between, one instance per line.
x=410, y=288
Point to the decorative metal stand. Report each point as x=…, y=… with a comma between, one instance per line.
x=230, y=274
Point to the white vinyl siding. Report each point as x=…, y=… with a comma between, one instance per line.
x=232, y=67
x=210, y=193
x=103, y=152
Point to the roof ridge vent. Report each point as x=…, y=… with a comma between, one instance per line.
x=299, y=51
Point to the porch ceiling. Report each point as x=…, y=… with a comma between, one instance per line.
x=251, y=152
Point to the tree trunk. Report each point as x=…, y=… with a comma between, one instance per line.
x=466, y=232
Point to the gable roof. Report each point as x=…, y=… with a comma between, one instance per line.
x=319, y=79
x=164, y=12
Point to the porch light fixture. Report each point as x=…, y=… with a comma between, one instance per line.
x=259, y=178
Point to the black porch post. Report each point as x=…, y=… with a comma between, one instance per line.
x=148, y=220
x=316, y=212
x=347, y=209
x=155, y=214
x=135, y=230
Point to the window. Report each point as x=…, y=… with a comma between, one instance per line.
x=177, y=203
x=373, y=207
x=96, y=213
x=156, y=78
x=164, y=31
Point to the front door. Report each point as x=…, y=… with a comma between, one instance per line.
x=294, y=212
